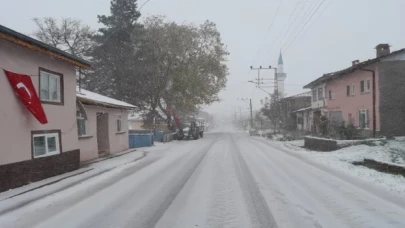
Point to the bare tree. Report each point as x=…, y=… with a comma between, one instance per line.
x=68, y=34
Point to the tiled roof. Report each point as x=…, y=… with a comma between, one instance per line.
x=333, y=75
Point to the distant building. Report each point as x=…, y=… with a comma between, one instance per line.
x=289, y=107
x=281, y=76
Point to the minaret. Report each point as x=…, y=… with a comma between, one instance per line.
x=280, y=76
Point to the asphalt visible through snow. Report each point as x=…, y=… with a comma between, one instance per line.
x=222, y=180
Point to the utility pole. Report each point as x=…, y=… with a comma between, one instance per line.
x=250, y=107
x=275, y=81
x=251, y=114
x=259, y=81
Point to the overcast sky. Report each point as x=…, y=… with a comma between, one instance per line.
x=339, y=31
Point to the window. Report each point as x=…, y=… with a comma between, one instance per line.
x=50, y=86
x=119, y=123
x=363, y=118
x=353, y=87
x=320, y=93
x=314, y=95
x=300, y=120
x=368, y=85
x=331, y=95
x=365, y=86
x=81, y=124
x=350, y=119
x=347, y=90
x=45, y=144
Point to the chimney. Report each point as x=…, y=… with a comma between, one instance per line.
x=382, y=49
x=354, y=62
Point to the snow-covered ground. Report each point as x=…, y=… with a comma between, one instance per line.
x=392, y=152
x=222, y=180
x=37, y=190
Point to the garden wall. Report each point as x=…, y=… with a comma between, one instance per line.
x=320, y=144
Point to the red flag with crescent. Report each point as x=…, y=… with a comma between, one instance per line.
x=23, y=87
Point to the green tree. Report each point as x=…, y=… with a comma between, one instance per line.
x=115, y=59
x=190, y=64
x=272, y=110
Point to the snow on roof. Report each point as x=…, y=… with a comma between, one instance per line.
x=303, y=109
x=88, y=97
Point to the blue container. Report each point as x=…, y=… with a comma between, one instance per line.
x=159, y=135
x=140, y=140
x=140, y=132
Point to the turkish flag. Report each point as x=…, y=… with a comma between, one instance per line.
x=23, y=87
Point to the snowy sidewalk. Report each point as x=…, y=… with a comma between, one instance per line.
x=341, y=160
x=18, y=197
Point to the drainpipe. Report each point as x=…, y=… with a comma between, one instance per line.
x=374, y=112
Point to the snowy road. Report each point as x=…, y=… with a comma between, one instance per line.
x=223, y=180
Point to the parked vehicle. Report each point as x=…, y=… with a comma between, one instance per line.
x=190, y=128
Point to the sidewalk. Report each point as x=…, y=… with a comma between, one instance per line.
x=342, y=160
x=18, y=197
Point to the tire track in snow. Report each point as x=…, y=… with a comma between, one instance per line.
x=259, y=211
x=350, y=205
x=223, y=209
x=212, y=197
x=177, y=175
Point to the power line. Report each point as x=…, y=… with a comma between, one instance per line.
x=292, y=36
x=281, y=34
x=268, y=30
x=298, y=20
x=143, y=5
x=299, y=32
x=319, y=15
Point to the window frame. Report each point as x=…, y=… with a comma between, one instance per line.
x=366, y=119
x=367, y=81
x=352, y=90
x=331, y=94
x=320, y=91
x=118, y=119
x=46, y=134
x=79, y=116
x=314, y=95
x=61, y=87
x=366, y=85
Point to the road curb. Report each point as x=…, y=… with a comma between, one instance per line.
x=62, y=188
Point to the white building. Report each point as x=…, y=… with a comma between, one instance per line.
x=281, y=76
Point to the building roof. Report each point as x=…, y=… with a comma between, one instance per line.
x=280, y=59
x=91, y=98
x=304, y=94
x=361, y=65
x=28, y=42
x=303, y=109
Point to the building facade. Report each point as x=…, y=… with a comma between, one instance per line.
x=30, y=150
x=368, y=94
x=102, y=125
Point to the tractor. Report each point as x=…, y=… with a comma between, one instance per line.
x=190, y=128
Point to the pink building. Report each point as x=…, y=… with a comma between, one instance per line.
x=364, y=94
x=102, y=124
x=29, y=150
